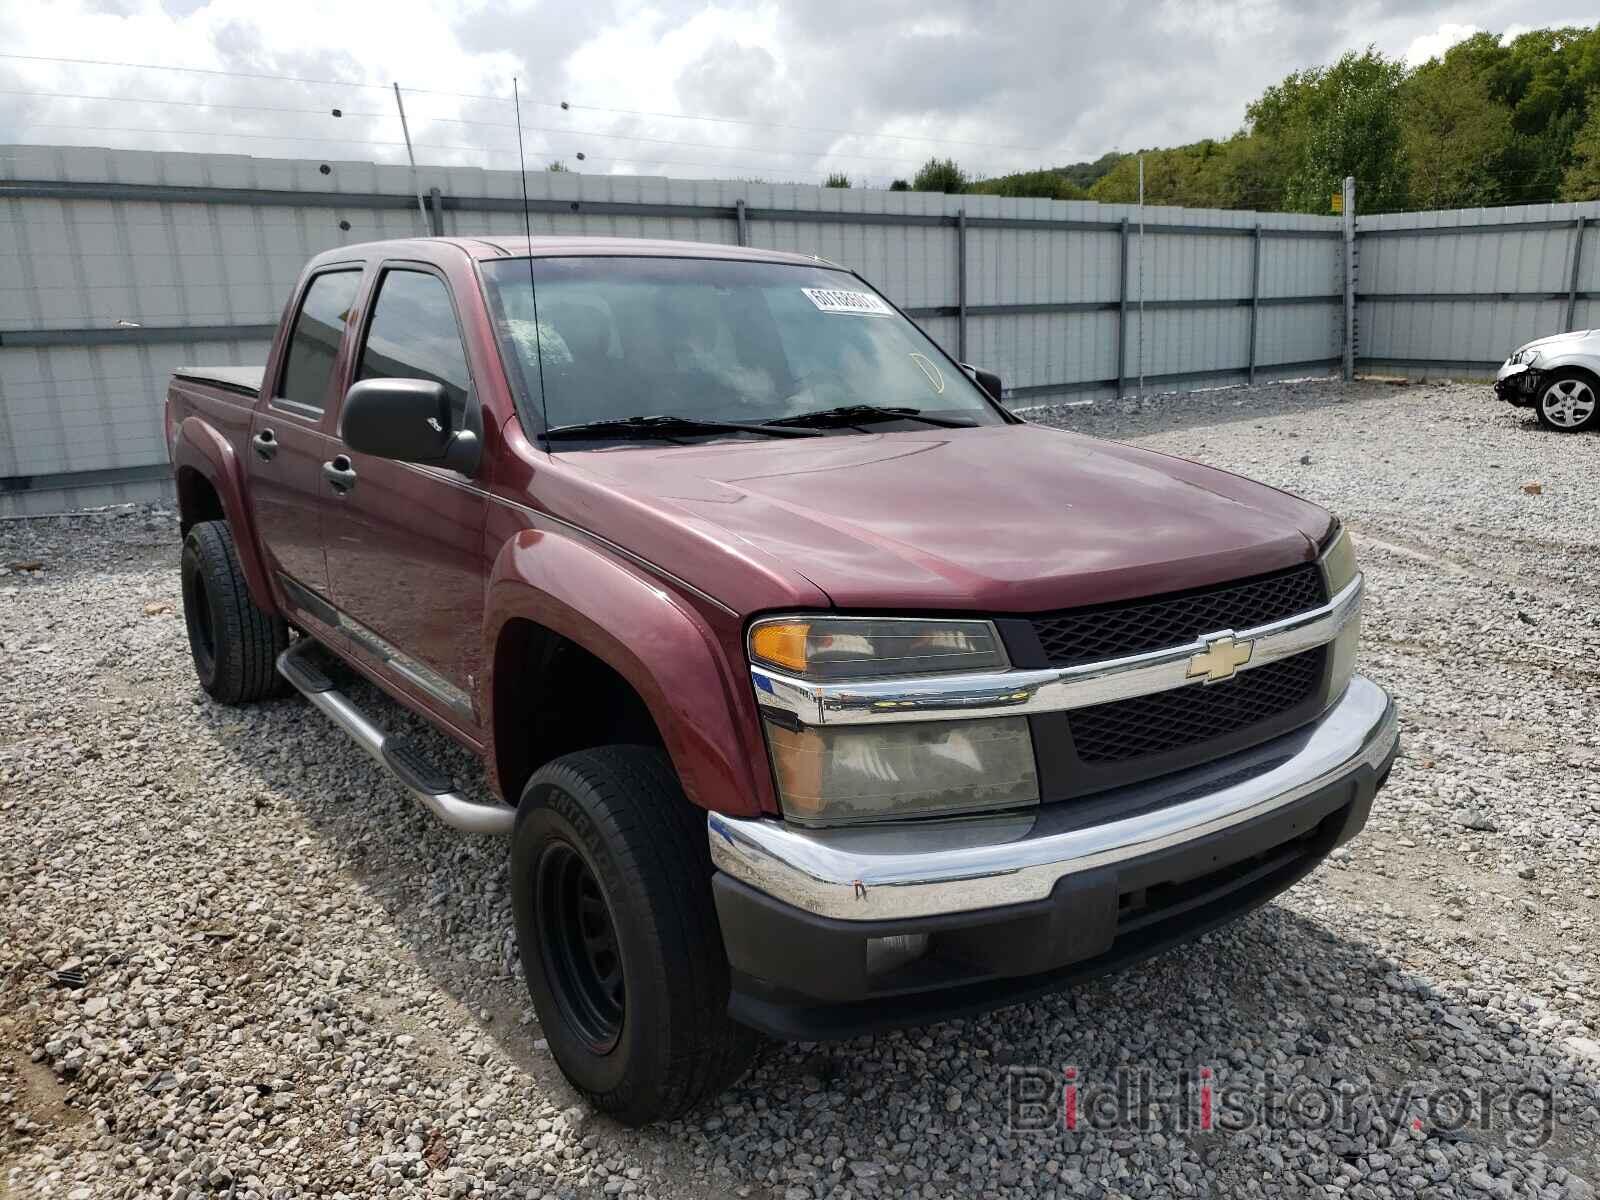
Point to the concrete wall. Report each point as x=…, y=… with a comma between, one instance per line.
x=117, y=266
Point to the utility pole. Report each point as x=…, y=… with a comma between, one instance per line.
x=422, y=209
x=1349, y=215
x=1141, y=277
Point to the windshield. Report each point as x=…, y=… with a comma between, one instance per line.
x=713, y=340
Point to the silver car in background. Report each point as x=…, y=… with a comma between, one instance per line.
x=1558, y=377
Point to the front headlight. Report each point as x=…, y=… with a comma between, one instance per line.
x=822, y=648
x=847, y=774
x=1526, y=356
x=1339, y=570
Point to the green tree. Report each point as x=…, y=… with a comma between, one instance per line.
x=1197, y=175
x=1330, y=122
x=1582, y=178
x=940, y=175
x=837, y=179
x=556, y=166
x=1045, y=184
x=1454, y=135
x=899, y=185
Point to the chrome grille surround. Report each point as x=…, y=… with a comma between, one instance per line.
x=1020, y=692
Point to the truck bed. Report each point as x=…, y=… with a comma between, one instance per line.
x=244, y=380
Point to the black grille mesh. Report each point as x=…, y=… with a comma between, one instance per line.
x=1170, y=720
x=1112, y=631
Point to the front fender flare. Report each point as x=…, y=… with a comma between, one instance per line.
x=202, y=449
x=653, y=638
x=1558, y=362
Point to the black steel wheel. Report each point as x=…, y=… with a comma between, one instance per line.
x=611, y=891
x=582, y=959
x=197, y=619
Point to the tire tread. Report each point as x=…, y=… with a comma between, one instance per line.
x=248, y=641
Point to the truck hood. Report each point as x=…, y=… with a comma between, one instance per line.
x=1010, y=518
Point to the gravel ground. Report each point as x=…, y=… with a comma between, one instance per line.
x=276, y=978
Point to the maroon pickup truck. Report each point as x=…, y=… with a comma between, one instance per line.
x=819, y=692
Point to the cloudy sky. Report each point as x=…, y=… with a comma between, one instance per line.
x=680, y=87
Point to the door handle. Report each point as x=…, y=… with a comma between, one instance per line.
x=266, y=444
x=341, y=476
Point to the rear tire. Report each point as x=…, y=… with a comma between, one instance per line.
x=623, y=956
x=1569, y=401
x=234, y=644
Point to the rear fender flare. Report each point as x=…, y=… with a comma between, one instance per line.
x=200, y=448
x=635, y=624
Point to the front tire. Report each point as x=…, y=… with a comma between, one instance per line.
x=234, y=644
x=623, y=956
x=1568, y=402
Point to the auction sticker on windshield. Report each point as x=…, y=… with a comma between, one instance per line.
x=837, y=300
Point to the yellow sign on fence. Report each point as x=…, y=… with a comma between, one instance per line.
x=1338, y=202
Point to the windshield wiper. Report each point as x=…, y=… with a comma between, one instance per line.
x=665, y=425
x=858, y=414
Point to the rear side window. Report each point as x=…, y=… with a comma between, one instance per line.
x=314, y=344
x=413, y=335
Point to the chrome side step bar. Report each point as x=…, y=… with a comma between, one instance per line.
x=437, y=795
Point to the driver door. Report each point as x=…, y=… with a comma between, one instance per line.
x=404, y=541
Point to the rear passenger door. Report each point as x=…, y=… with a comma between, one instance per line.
x=405, y=542
x=288, y=439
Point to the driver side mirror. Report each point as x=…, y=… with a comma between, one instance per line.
x=407, y=420
x=987, y=380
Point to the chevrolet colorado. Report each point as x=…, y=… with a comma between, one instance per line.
x=818, y=692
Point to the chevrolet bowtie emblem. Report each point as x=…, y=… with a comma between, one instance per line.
x=1223, y=656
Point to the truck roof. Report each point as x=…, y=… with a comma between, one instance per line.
x=494, y=246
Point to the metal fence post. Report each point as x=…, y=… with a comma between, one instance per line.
x=742, y=220
x=436, y=211
x=1349, y=277
x=1122, y=315
x=961, y=285
x=1255, y=299
x=1577, y=265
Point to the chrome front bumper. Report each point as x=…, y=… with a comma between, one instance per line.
x=927, y=869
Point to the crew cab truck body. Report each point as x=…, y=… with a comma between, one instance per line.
x=818, y=692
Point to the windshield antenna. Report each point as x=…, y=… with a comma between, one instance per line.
x=527, y=228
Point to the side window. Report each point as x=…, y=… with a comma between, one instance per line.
x=413, y=335
x=314, y=343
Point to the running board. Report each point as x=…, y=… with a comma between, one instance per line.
x=405, y=764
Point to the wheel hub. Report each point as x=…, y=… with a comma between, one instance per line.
x=578, y=941
x=1568, y=402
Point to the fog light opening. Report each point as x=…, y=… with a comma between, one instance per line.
x=885, y=954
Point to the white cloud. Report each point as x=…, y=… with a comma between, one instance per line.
x=1433, y=45
x=801, y=88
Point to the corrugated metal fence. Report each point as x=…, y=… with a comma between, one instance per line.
x=121, y=265
x=1451, y=293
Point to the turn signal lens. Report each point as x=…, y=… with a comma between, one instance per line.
x=782, y=644
x=854, y=648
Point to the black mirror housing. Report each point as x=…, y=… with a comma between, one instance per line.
x=407, y=420
x=987, y=380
